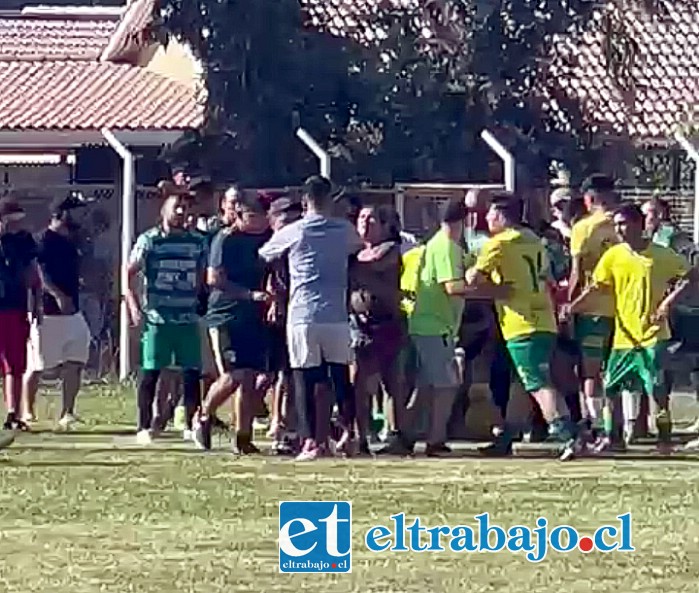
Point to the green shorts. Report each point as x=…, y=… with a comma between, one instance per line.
x=593, y=333
x=531, y=356
x=170, y=344
x=635, y=369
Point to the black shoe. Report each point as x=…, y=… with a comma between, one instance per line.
x=244, y=446
x=21, y=425
x=397, y=445
x=499, y=448
x=10, y=422
x=440, y=450
x=220, y=425
x=202, y=435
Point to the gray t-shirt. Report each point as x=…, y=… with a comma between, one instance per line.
x=318, y=249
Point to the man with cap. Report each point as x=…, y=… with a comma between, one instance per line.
x=282, y=212
x=18, y=276
x=62, y=340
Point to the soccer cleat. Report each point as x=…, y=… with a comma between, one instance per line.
x=144, y=438
x=202, y=434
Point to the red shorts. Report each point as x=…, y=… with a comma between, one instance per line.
x=13, y=342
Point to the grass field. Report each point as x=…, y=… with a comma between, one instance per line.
x=89, y=512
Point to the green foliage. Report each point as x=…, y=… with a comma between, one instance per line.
x=409, y=107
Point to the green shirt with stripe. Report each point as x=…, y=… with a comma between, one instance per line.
x=172, y=265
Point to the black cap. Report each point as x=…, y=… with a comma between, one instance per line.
x=72, y=201
x=598, y=183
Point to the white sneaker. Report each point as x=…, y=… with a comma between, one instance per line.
x=188, y=435
x=143, y=438
x=67, y=421
x=28, y=418
x=692, y=445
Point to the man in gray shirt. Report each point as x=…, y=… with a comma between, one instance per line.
x=318, y=247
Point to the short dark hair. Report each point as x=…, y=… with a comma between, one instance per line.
x=252, y=203
x=630, y=211
x=454, y=211
x=600, y=188
x=317, y=189
x=510, y=207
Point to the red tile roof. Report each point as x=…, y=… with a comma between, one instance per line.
x=662, y=90
x=32, y=38
x=132, y=31
x=66, y=95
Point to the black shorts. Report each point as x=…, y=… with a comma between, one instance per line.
x=240, y=347
x=278, y=351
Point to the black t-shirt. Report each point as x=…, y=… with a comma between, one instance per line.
x=59, y=259
x=236, y=253
x=17, y=251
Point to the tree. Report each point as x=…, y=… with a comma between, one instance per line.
x=406, y=102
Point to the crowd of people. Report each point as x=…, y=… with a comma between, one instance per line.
x=330, y=310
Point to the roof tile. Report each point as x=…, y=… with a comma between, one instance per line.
x=64, y=95
x=29, y=38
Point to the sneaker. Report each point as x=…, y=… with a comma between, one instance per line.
x=498, y=448
x=67, y=421
x=439, y=450
x=202, y=434
x=9, y=423
x=187, y=435
x=572, y=449
x=397, y=445
x=692, y=445
x=244, y=446
x=144, y=438
x=29, y=418
x=310, y=454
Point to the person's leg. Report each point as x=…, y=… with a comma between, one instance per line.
x=155, y=356
x=245, y=408
x=44, y=351
x=593, y=335
x=75, y=354
x=185, y=340
x=15, y=330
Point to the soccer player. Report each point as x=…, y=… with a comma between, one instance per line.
x=638, y=275
x=592, y=327
x=513, y=268
x=172, y=261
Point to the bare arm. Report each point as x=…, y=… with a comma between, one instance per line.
x=478, y=286
x=33, y=281
x=574, y=280
x=216, y=278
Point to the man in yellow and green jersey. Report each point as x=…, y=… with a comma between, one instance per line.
x=642, y=279
x=514, y=267
x=592, y=327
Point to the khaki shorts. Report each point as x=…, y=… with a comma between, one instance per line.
x=436, y=361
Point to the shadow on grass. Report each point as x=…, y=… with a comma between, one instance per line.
x=81, y=433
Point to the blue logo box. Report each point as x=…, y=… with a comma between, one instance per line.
x=315, y=537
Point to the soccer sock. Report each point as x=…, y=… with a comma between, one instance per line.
x=608, y=419
x=192, y=395
x=146, y=396
x=631, y=405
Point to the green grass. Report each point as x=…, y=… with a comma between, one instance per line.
x=90, y=512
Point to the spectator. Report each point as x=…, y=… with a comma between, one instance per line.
x=62, y=340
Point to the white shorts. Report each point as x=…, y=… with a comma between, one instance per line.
x=311, y=345
x=59, y=339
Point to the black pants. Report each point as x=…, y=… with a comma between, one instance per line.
x=146, y=396
x=305, y=383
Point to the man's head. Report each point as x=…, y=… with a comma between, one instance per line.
x=251, y=215
x=477, y=203
x=655, y=211
x=317, y=192
x=229, y=203
x=283, y=211
x=174, y=212
x=505, y=212
x=560, y=198
x=599, y=192
x=628, y=223
x=69, y=212
x=453, y=217
x=11, y=215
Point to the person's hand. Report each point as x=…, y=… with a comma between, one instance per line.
x=66, y=305
x=565, y=313
x=260, y=296
x=661, y=314
x=135, y=315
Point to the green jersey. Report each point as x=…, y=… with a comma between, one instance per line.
x=173, y=266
